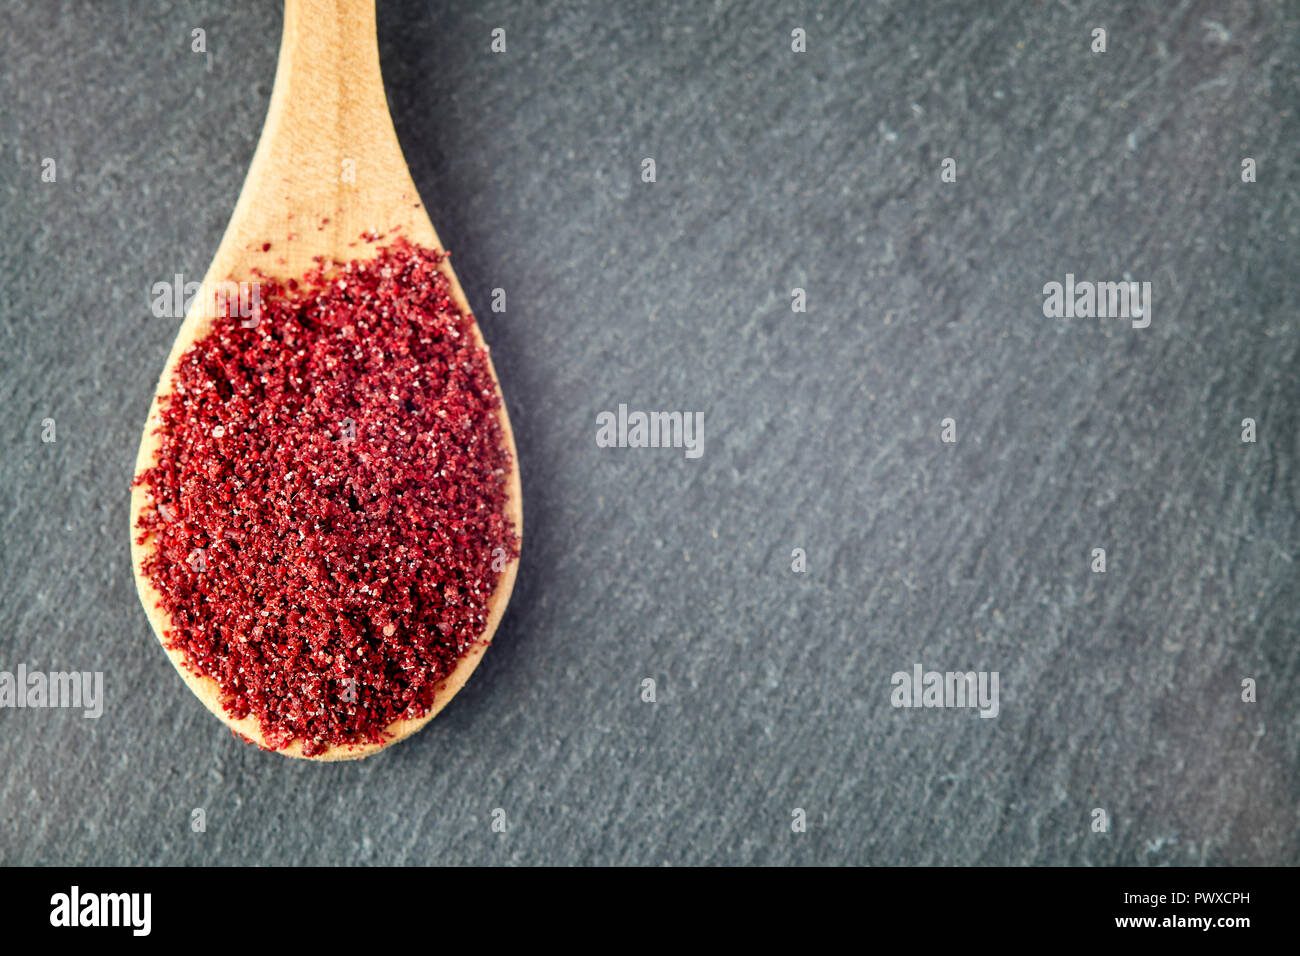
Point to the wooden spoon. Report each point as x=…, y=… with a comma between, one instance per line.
x=328, y=155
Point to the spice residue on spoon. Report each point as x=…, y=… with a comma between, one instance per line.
x=328, y=500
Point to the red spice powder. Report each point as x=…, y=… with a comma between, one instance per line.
x=328, y=502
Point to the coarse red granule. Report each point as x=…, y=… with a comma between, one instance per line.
x=328, y=499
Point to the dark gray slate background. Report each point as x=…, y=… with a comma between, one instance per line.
x=775, y=170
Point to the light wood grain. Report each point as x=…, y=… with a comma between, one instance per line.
x=327, y=107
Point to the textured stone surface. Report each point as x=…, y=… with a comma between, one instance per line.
x=775, y=170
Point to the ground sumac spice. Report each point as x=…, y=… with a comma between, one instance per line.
x=327, y=505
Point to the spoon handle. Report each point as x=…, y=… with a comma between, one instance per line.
x=328, y=151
